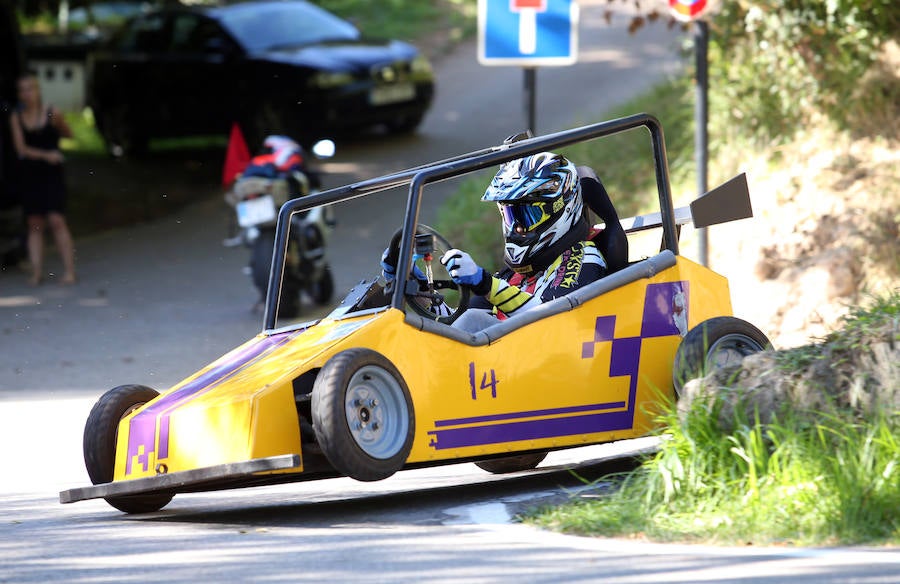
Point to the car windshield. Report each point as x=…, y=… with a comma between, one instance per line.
x=283, y=25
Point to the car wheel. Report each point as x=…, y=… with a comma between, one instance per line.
x=100, y=433
x=713, y=344
x=512, y=463
x=322, y=289
x=122, y=133
x=362, y=415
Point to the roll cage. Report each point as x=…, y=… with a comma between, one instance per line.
x=418, y=177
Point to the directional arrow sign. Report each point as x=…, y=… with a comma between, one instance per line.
x=528, y=33
x=528, y=10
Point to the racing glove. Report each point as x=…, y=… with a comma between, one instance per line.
x=465, y=272
x=389, y=270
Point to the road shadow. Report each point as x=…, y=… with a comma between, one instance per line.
x=519, y=493
x=107, y=192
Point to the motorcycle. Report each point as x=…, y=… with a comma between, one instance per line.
x=272, y=178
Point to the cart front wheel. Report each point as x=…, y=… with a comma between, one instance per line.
x=363, y=415
x=100, y=433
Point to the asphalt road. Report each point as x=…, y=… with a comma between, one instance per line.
x=156, y=302
x=447, y=524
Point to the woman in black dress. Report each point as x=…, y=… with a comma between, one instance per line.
x=36, y=130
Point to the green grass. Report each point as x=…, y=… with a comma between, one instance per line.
x=823, y=477
x=85, y=140
x=624, y=162
x=409, y=20
x=861, y=326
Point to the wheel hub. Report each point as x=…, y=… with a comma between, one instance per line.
x=375, y=417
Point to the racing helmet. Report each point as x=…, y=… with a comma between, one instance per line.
x=540, y=202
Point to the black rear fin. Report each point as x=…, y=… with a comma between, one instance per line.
x=729, y=201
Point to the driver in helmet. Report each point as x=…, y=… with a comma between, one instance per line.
x=547, y=250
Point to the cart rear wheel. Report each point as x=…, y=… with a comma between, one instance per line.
x=323, y=289
x=512, y=463
x=713, y=344
x=100, y=434
x=261, y=265
x=363, y=415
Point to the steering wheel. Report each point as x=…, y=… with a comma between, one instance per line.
x=441, y=299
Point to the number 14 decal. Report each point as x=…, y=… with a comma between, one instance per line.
x=485, y=384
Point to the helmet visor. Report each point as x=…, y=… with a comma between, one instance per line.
x=527, y=216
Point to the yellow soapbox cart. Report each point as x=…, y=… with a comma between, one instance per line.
x=382, y=384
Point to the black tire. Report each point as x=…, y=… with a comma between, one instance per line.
x=713, y=344
x=99, y=444
x=363, y=415
x=261, y=265
x=261, y=260
x=512, y=463
x=323, y=289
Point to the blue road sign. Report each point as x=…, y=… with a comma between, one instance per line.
x=527, y=33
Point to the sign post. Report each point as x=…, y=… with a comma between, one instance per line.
x=692, y=10
x=701, y=124
x=530, y=34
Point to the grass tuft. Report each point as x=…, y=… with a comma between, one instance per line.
x=806, y=477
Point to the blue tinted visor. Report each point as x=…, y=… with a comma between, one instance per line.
x=527, y=216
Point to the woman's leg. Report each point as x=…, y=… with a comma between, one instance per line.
x=64, y=244
x=36, y=224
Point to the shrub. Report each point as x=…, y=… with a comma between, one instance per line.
x=775, y=62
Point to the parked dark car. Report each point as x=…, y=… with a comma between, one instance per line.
x=276, y=67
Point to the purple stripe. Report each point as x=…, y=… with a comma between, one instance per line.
x=220, y=369
x=164, y=437
x=142, y=428
x=531, y=430
x=658, y=309
x=531, y=414
x=625, y=354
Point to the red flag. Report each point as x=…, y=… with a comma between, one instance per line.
x=237, y=157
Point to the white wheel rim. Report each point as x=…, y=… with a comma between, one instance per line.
x=376, y=411
x=730, y=350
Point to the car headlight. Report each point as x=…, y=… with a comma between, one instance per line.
x=420, y=66
x=328, y=79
